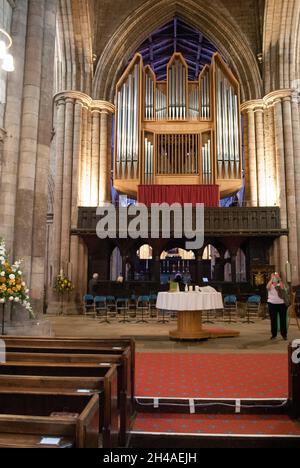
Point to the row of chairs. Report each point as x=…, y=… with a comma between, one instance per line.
x=143, y=308
x=140, y=308
x=231, y=311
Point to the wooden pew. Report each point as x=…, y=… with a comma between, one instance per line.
x=124, y=354
x=122, y=362
x=79, y=346
x=106, y=376
x=25, y=419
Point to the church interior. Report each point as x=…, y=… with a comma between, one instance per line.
x=149, y=224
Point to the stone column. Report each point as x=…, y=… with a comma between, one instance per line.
x=83, y=195
x=67, y=184
x=39, y=229
x=57, y=219
x=95, y=157
x=103, y=196
x=78, y=160
x=270, y=166
x=75, y=196
x=252, y=158
x=290, y=187
x=281, y=182
x=31, y=201
x=296, y=143
x=260, y=153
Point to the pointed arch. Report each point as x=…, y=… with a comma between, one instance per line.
x=215, y=23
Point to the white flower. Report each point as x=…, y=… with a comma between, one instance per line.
x=12, y=277
x=2, y=301
x=11, y=299
x=3, y=262
x=27, y=291
x=23, y=284
x=17, y=299
x=2, y=259
x=2, y=273
x=20, y=273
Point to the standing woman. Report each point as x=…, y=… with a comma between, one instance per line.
x=278, y=304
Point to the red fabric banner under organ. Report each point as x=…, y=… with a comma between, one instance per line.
x=209, y=195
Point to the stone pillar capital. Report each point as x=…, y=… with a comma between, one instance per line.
x=277, y=96
x=87, y=101
x=253, y=106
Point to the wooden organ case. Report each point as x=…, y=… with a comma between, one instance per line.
x=178, y=132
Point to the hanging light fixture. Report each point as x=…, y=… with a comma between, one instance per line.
x=6, y=58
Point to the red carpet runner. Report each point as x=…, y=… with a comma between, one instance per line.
x=212, y=375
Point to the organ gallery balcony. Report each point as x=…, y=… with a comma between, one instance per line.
x=220, y=222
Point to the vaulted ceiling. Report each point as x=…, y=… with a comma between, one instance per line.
x=177, y=36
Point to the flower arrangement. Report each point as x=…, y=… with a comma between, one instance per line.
x=13, y=288
x=63, y=284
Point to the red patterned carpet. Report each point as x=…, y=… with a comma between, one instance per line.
x=216, y=424
x=212, y=375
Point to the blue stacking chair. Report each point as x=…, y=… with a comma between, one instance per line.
x=230, y=309
x=253, y=308
x=122, y=308
x=143, y=306
x=153, y=309
x=111, y=306
x=132, y=302
x=101, y=308
x=89, y=305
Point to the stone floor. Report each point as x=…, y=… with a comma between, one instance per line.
x=153, y=337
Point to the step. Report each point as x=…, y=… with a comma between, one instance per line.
x=198, y=431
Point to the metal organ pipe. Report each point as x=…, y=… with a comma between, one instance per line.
x=128, y=126
x=135, y=157
x=228, y=150
x=177, y=91
x=119, y=134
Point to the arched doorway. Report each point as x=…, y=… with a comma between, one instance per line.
x=115, y=264
x=211, y=260
x=241, y=268
x=177, y=262
x=240, y=264
x=144, y=263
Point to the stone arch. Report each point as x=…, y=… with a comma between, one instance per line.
x=214, y=22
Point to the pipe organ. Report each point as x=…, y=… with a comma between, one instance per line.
x=179, y=131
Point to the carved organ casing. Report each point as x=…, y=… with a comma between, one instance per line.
x=178, y=131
